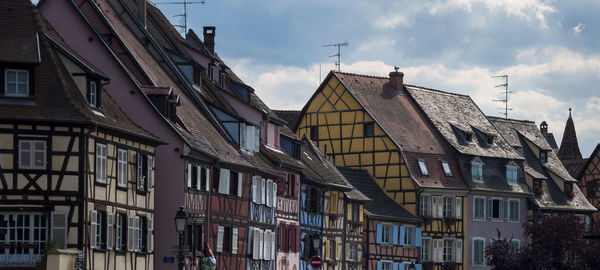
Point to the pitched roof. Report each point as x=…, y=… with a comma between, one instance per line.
x=193, y=124
x=381, y=205
x=56, y=96
x=588, y=162
x=279, y=157
x=319, y=169
x=19, y=32
x=569, y=148
x=398, y=115
x=290, y=116
x=521, y=134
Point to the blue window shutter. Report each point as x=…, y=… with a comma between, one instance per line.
x=379, y=231
x=419, y=266
x=395, y=266
x=418, y=237
x=402, y=233
x=379, y=262
x=395, y=236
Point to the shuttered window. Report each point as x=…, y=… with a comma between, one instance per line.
x=234, y=241
x=220, y=232
x=59, y=228
x=100, y=169
x=109, y=231
x=93, y=229
x=122, y=168
x=263, y=197
x=150, y=237
x=189, y=175
x=150, y=173
x=240, y=185
x=224, y=175
x=130, y=233
x=32, y=154
x=269, y=193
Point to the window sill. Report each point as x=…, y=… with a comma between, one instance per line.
x=123, y=188
x=141, y=192
x=100, y=184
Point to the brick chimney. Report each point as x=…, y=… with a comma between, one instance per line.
x=544, y=128
x=209, y=38
x=141, y=11
x=397, y=79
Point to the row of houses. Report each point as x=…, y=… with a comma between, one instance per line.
x=110, y=120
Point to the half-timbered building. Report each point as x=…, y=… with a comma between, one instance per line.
x=74, y=168
x=589, y=184
x=392, y=238
x=372, y=123
x=210, y=173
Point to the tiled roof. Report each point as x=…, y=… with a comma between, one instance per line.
x=194, y=125
x=278, y=156
x=400, y=118
x=447, y=109
x=380, y=206
x=520, y=133
x=318, y=168
x=569, y=148
x=290, y=116
x=56, y=97
x=18, y=31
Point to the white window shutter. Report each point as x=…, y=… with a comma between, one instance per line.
x=189, y=175
x=458, y=207
x=207, y=172
x=261, y=245
x=440, y=207
x=149, y=173
x=93, y=228
x=234, y=241
x=262, y=190
x=267, y=245
x=459, y=245
x=109, y=231
x=130, y=232
x=268, y=193
x=256, y=249
x=199, y=178
x=273, y=248
x=254, y=188
x=240, y=185
x=149, y=237
x=119, y=240
x=220, y=232
x=274, y=190
x=136, y=235
x=224, y=181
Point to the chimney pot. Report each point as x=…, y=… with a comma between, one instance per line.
x=141, y=11
x=397, y=79
x=209, y=38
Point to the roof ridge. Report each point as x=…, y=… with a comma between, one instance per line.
x=437, y=90
x=511, y=119
x=361, y=75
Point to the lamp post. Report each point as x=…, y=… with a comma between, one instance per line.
x=316, y=239
x=180, y=221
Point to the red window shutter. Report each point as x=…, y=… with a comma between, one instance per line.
x=296, y=185
x=297, y=238
x=281, y=184
x=285, y=238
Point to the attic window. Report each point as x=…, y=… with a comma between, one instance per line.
x=16, y=82
x=446, y=168
x=468, y=137
x=93, y=94
x=423, y=167
x=477, y=171
x=543, y=156
x=569, y=189
x=537, y=186
x=489, y=140
x=221, y=78
x=511, y=174
x=368, y=129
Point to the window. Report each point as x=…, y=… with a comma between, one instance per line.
x=332, y=249
x=449, y=250
x=426, y=250
x=233, y=183
x=448, y=204
x=478, y=251
x=477, y=171
x=511, y=174
x=515, y=245
x=24, y=236
x=100, y=163
x=16, y=82
x=355, y=212
x=425, y=205
x=193, y=177
x=93, y=96
x=142, y=231
x=468, y=137
x=32, y=154
x=58, y=232
x=597, y=187
x=489, y=140
x=144, y=170
x=537, y=185
x=446, y=168
x=495, y=208
x=314, y=196
x=423, y=167
x=121, y=226
x=368, y=129
x=513, y=213
x=122, y=168
x=409, y=236
x=386, y=234
x=385, y=265
x=98, y=229
x=314, y=133
x=352, y=253
x=543, y=156
x=227, y=239
x=478, y=208
x=250, y=137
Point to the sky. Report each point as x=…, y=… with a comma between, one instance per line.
x=549, y=50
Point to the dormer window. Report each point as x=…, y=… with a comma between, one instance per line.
x=543, y=156
x=477, y=170
x=489, y=140
x=221, y=78
x=511, y=174
x=569, y=190
x=446, y=168
x=423, y=167
x=93, y=94
x=537, y=186
x=16, y=82
x=468, y=137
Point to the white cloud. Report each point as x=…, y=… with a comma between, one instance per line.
x=578, y=28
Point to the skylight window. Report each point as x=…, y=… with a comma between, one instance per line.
x=423, y=167
x=446, y=168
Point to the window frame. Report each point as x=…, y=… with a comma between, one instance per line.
x=543, y=156
x=475, y=198
x=409, y=234
x=32, y=151
x=122, y=172
x=387, y=265
x=314, y=133
x=446, y=168
x=451, y=255
x=500, y=202
x=510, y=208
x=482, y=251
x=368, y=129
x=426, y=205
x=423, y=167
x=479, y=166
x=426, y=250
x=352, y=252
x=101, y=159
x=27, y=85
x=389, y=229
x=93, y=93
x=451, y=208
x=510, y=171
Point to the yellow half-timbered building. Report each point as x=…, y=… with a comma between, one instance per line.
x=372, y=123
x=75, y=172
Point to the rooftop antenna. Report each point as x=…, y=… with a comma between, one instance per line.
x=338, y=45
x=184, y=14
x=506, y=92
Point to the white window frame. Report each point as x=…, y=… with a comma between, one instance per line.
x=93, y=94
x=427, y=250
x=511, y=174
x=476, y=165
x=449, y=253
x=122, y=167
x=510, y=208
x=55, y=217
x=17, y=83
x=390, y=229
x=100, y=168
x=409, y=235
x=32, y=152
x=352, y=252
x=482, y=250
x=118, y=234
x=423, y=167
x=387, y=265
x=426, y=205
x=448, y=210
x=446, y=167
x=475, y=208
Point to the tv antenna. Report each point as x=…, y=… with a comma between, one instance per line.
x=506, y=92
x=338, y=55
x=182, y=26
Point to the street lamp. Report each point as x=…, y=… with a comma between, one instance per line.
x=180, y=221
x=316, y=243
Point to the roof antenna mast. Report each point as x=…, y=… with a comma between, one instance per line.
x=506, y=92
x=338, y=55
x=182, y=26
